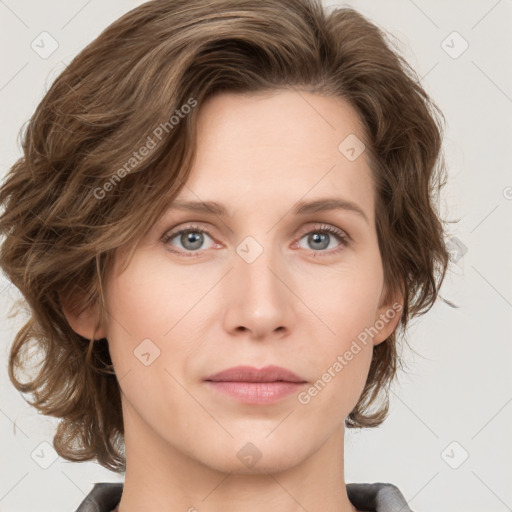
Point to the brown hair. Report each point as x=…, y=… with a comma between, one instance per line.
x=84, y=187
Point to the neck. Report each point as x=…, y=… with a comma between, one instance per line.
x=160, y=477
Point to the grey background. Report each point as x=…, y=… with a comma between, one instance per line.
x=455, y=400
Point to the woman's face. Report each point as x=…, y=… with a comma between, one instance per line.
x=262, y=285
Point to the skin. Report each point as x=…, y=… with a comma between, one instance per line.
x=298, y=305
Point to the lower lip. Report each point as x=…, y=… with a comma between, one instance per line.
x=257, y=392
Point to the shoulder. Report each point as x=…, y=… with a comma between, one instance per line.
x=104, y=497
x=379, y=496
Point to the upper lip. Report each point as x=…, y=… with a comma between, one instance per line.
x=250, y=374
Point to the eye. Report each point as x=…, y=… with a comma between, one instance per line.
x=190, y=237
x=320, y=238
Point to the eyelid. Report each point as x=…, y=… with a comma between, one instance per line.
x=173, y=232
x=322, y=226
x=196, y=225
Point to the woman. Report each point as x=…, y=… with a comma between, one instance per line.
x=229, y=210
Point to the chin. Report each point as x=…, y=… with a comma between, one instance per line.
x=255, y=455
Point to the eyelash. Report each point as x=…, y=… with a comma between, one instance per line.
x=322, y=228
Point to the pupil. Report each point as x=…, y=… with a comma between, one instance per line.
x=317, y=237
x=194, y=238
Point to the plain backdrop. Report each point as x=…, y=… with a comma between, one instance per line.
x=446, y=443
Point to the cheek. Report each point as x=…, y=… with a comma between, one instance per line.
x=346, y=298
x=135, y=315
x=153, y=313
x=343, y=345
x=147, y=300
x=341, y=360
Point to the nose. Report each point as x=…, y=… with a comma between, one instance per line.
x=259, y=302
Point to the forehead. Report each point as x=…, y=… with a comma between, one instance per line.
x=282, y=147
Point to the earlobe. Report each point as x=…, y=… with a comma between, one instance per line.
x=84, y=322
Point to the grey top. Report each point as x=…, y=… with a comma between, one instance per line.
x=376, y=497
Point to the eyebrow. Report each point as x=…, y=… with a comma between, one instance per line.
x=300, y=208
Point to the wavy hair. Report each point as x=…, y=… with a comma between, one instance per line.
x=85, y=187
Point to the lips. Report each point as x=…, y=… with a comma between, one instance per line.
x=253, y=386
x=250, y=374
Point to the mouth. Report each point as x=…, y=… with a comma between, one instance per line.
x=256, y=386
x=250, y=374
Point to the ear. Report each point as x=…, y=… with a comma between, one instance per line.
x=83, y=321
x=388, y=316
